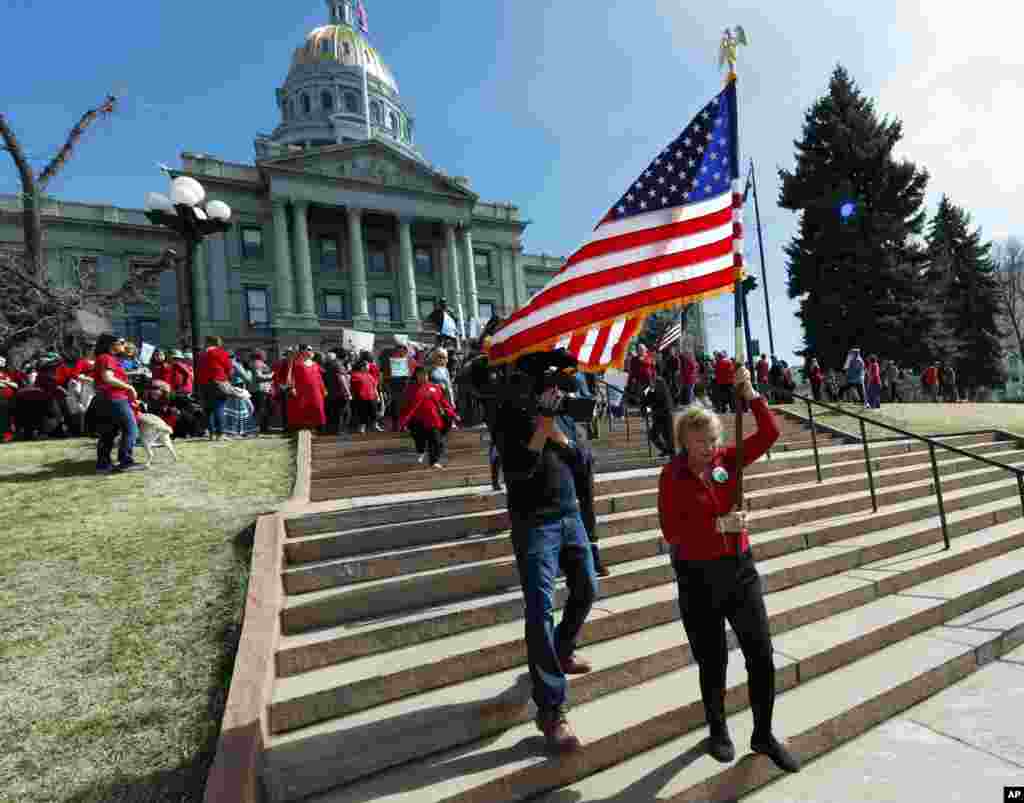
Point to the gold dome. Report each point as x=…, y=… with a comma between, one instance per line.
x=342, y=44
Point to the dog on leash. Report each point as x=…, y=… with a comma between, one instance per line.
x=154, y=431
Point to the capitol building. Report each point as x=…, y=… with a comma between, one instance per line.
x=339, y=222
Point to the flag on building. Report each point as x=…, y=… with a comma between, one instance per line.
x=673, y=334
x=674, y=237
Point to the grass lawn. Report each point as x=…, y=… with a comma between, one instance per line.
x=121, y=598
x=924, y=418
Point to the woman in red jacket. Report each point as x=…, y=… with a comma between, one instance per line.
x=715, y=570
x=428, y=414
x=364, y=395
x=213, y=371
x=817, y=377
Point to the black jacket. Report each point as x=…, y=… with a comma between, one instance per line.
x=546, y=485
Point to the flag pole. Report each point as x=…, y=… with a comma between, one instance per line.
x=731, y=41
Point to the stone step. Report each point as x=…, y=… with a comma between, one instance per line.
x=341, y=689
x=471, y=479
x=315, y=598
x=322, y=646
x=833, y=463
x=883, y=639
x=344, y=558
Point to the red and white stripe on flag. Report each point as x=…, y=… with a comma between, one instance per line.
x=675, y=237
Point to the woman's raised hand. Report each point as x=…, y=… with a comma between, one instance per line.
x=744, y=389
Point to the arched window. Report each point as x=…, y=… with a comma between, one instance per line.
x=327, y=100
x=375, y=113
x=393, y=122
x=351, y=103
x=307, y=107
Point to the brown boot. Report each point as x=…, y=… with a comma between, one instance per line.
x=575, y=665
x=558, y=734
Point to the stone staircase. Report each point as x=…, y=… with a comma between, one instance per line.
x=400, y=670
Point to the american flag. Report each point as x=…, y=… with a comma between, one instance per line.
x=675, y=236
x=673, y=333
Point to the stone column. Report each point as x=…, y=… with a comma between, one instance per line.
x=472, y=299
x=508, y=281
x=282, y=259
x=408, y=274
x=518, y=275
x=303, y=263
x=357, y=258
x=454, y=284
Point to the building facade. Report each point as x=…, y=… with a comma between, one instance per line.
x=339, y=222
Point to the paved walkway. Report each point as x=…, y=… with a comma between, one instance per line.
x=964, y=744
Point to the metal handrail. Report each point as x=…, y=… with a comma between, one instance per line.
x=932, y=443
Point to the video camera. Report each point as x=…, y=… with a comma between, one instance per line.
x=533, y=375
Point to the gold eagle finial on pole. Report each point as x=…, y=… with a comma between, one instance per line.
x=732, y=38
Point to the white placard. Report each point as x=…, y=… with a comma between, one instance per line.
x=399, y=367
x=616, y=378
x=146, y=353
x=356, y=341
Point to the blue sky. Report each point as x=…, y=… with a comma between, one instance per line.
x=554, y=106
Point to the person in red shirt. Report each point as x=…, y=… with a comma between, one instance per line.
x=182, y=379
x=305, y=402
x=762, y=368
x=874, y=383
x=816, y=377
x=931, y=381
x=114, y=395
x=428, y=415
x=364, y=395
x=213, y=369
x=715, y=570
x=725, y=375
x=8, y=389
x=160, y=368
x=641, y=371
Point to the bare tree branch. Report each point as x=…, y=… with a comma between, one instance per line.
x=107, y=107
x=1009, y=260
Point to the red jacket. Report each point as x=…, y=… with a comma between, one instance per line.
x=688, y=369
x=817, y=375
x=931, y=376
x=65, y=372
x=182, y=378
x=424, y=405
x=725, y=372
x=364, y=386
x=874, y=373
x=163, y=371
x=688, y=505
x=213, y=365
x=762, y=371
x=642, y=370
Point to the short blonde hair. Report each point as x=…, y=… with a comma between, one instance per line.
x=695, y=418
x=438, y=355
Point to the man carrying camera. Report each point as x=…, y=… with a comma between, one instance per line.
x=550, y=502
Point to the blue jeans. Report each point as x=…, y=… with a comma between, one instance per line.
x=120, y=418
x=214, y=405
x=541, y=550
x=687, y=396
x=874, y=396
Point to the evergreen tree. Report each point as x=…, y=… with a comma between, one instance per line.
x=963, y=274
x=854, y=260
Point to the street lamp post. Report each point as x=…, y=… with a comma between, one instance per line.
x=183, y=213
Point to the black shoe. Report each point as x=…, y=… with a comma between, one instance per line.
x=777, y=752
x=720, y=746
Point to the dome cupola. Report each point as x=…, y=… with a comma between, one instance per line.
x=339, y=89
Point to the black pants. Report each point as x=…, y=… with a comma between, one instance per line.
x=726, y=398
x=336, y=412
x=894, y=395
x=364, y=412
x=857, y=386
x=710, y=592
x=816, y=390
x=661, y=434
x=429, y=441
x=262, y=409
x=6, y=408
